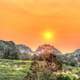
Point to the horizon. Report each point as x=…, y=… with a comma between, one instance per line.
x=34, y=49
x=36, y=22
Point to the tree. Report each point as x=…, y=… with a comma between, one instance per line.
x=49, y=54
x=44, y=67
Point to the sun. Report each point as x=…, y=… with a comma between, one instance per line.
x=48, y=35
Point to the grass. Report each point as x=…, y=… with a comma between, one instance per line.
x=17, y=69
x=13, y=69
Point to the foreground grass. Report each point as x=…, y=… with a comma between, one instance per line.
x=17, y=69
x=13, y=69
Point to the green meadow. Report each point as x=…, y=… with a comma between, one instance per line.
x=13, y=69
x=17, y=70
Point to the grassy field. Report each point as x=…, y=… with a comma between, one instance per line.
x=17, y=69
x=13, y=69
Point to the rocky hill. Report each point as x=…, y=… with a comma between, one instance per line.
x=10, y=50
x=24, y=52
x=47, y=49
x=72, y=58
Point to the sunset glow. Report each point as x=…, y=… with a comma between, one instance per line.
x=23, y=21
x=48, y=36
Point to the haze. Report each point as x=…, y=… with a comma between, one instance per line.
x=23, y=21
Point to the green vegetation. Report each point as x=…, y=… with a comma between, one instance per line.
x=38, y=71
x=13, y=69
x=18, y=69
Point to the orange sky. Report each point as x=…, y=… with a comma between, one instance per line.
x=23, y=21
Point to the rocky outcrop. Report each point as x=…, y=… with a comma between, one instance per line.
x=9, y=50
x=47, y=49
x=49, y=54
x=72, y=58
x=24, y=52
